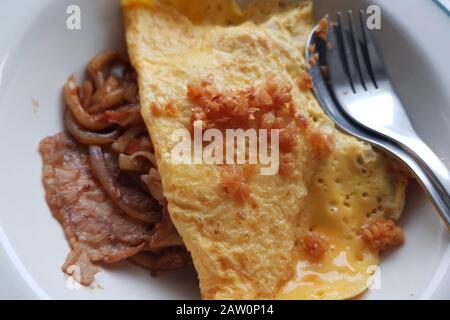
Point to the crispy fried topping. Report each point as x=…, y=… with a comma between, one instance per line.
x=312, y=48
x=167, y=110
x=314, y=245
x=234, y=182
x=302, y=122
x=314, y=59
x=267, y=107
x=382, y=235
x=322, y=30
x=287, y=165
x=322, y=143
x=305, y=82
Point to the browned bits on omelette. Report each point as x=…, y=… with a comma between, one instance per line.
x=287, y=164
x=304, y=82
x=167, y=110
x=322, y=142
x=322, y=29
x=91, y=222
x=234, y=182
x=302, y=122
x=313, y=59
x=383, y=234
x=312, y=48
x=314, y=245
x=267, y=107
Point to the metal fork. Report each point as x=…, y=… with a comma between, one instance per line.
x=362, y=88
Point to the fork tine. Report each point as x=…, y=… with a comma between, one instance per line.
x=346, y=41
x=366, y=66
x=358, y=46
x=374, y=60
x=336, y=63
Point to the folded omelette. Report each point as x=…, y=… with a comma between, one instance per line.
x=293, y=235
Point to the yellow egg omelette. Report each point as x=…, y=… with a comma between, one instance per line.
x=288, y=236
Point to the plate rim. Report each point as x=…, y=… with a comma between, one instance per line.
x=10, y=261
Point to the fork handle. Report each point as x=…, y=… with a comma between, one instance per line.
x=437, y=174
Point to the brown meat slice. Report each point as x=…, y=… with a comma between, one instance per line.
x=91, y=222
x=85, y=271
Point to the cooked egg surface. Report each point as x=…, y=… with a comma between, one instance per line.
x=252, y=249
x=353, y=187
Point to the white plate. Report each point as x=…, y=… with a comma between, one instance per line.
x=38, y=52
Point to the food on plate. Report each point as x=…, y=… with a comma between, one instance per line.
x=101, y=185
x=312, y=230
